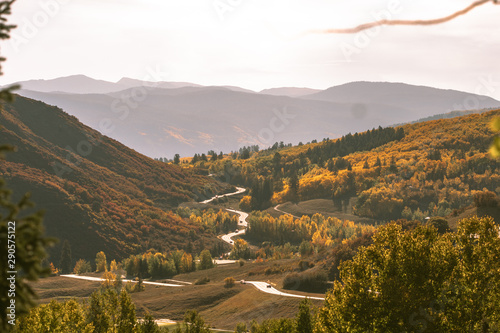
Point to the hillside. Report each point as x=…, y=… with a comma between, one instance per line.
x=97, y=193
x=162, y=120
x=414, y=171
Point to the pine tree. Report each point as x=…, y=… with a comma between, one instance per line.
x=177, y=159
x=149, y=325
x=65, y=263
x=127, y=319
x=304, y=319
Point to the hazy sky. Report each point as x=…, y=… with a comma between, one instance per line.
x=254, y=44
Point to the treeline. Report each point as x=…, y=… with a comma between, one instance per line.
x=166, y=265
x=320, y=231
x=220, y=222
x=106, y=311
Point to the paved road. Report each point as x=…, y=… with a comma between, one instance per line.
x=262, y=286
x=239, y=190
x=277, y=208
x=90, y=278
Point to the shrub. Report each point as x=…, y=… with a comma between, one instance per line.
x=485, y=199
x=241, y=262
x=229, y=282
x=311, y=281
x=203, y=280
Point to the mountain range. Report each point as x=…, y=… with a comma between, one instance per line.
x=164, y=118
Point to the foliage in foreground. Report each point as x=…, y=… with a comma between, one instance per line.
x=419, y=280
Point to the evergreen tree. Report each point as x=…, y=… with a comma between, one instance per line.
x=177, y=159
x=149, y=325
x=65, y=263
x=304, y=319
x=127, y=319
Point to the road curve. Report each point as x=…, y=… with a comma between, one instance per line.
x=242, y=219
x=90, y=278
x=263, y=286
x=238, y=191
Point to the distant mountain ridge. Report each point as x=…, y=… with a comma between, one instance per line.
x=161, y=120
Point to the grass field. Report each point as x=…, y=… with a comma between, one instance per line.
x=221, y=307
x=321, y=206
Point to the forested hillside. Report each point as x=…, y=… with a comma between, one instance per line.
x=97, y=193
x=412, y=171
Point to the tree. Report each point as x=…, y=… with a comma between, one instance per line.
x=148, y=325
x=303, y=320
x=100, y=262
x=65, y=262
x=127, y=319
x=229, y=282
x=102, y=310
x=241, y=328
x=419, y=280
x=206, y=260
x=108, y=280
x=113, y=266
x=82, y=266
x=69, y=316
x=177, y=159
x=193, y=323
x=495, y=147
x=440, y=224
x=187, y=263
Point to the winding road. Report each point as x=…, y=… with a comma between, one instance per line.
x=261, y=286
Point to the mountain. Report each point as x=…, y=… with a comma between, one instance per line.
x=75, y=84
x=162, y=122
x=407, y=97
x=289, y=91
x=97, y=193
x=131, y=83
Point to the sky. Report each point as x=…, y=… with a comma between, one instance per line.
x=255, y=44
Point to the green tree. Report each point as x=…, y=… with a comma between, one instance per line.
x=148, y=325
x=419, y=280
x=127, y=319
x=241, y=328
x=193, y=323
x=303, y=320
x=65, y=261
x=206, y=260
x=69, y=316
x=99, y=312
x=101, y=262
x=177, y=159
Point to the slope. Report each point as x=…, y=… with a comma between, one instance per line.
x=431, y=168
x=96, y=192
